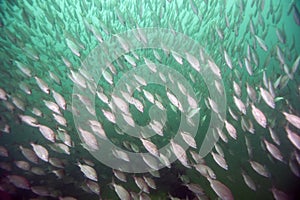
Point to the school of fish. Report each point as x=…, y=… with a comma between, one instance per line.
x=254, y=50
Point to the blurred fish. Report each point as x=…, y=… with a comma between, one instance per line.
x=180, y=153
x=259, y=168
x=248, y=180
x=293, y=119
x=220, y=189
x=88, y=171
x=40, y=151
x=121, y=191
x=259, y=116
x=19, y=181
x=273, y=150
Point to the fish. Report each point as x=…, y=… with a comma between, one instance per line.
x=78, y=79
x=220, y=160
x=29, y=154
x=205, y=171
x=296, y=15
x=19, y=181
x=73, y=47
x=60, y=148
x=149, y=96
x=150, y=182
x=3, y=95
x=267, y=97
x=222, y=135
x=88, y=171
x=220, y=189
x=174, y=100
x=180, y=153
x=151, y=161
x=109, y=115
x=230, y=129
x=56, y=162
x=293, y=137
x=59, y=99
x=24, y=165
x=93, y=186
x=38, y=171
x=120, y=175
x=63, y=136
x=140, y=80
x=18, y=103
x=121, y=191
x=23, y=68
x=194, y=62
x=293, y=119
x=140, y=182
x=213, y=105
x=177, y=57
x=195, y=188
x=47, y=132
x=273, y=150
x=151, y=65
x=40, y=190
x=54, y=77
x=240, y=105
x=31, y=121
x=42, y=85
x=237, y=89
x=3, y=151
x=23, y=86
x=90, y=141
x=219, y=150
x=278, y=194
x=164, y=160
x=60, y=119
x=260, y=169
x=251, y=93
x=189, y=139
x=280, y=55
x=249, y=181
x=102, y=97
x=232, y=114
x=295, y=65
x=40, y=151
x=52, y=106
x=274, y=136
x=121, y=155
x=151, y=147
x=249, y=67
x=227, y=59
x=259, y=116
x=261, y=43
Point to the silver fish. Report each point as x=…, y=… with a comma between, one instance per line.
x=267, y=97
x=88, y=171
x=259, y=116
x=220, y=189
x=273, y=150
x=40, y=151
x=293, y=119
x=220, y=160
x=180, y=153
x=260, y=169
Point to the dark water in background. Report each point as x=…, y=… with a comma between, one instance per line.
x=42, y=30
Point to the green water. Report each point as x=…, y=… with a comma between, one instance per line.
x=36, y=34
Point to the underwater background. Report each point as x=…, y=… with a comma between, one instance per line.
x=255, y=47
